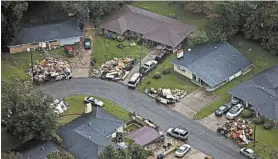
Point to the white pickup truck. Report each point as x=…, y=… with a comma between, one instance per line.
x=148, y=66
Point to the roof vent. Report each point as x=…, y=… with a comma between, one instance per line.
x=215, y=47
x=234, y=55
x=189, y=49
x=89, y=136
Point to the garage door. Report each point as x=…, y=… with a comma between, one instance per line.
x=69, y=41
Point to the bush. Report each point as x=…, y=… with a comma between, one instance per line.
x=258, y=120
x=197, y=38
x=268, y=124
x=246, y=113
x=120, y=38
x=148, y=82
x=157, y=75
x=173, y=15
x=167, y=71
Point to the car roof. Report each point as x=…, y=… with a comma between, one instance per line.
x=180, y=130
x=134, y=76
x=222, y=107
x=149, y=62
x=250, y=151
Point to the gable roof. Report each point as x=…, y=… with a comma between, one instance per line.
x=40, y=151
x=47, y=32
x=144, y=135
x=85, y=137
x=261, y=91
x=153, y=26
x=213, y=63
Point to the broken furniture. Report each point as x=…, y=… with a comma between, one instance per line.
x=166, y=96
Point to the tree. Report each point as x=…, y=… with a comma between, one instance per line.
x=95, y=9
x=197, y=38
x=60, y=155
x=28, y=112
x=10, y=155
x=262, y=26
x=199, y=7
x=133, y=151
x=229, y=19
x=11, y=14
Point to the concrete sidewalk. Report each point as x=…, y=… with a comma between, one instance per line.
x=151, y=55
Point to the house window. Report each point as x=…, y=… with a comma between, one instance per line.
x=182, y=68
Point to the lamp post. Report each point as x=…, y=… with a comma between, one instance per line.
x=254, y=143
x=31, y=53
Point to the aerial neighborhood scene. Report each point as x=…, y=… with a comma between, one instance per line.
x=139, y=79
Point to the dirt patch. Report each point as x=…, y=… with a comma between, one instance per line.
x=194, y=102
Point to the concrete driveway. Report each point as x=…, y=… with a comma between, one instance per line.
x=212, y=122
x=192, y=154
x=194, y=102
x=150, y=56
x=200, y=137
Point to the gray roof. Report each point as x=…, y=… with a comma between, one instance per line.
x=261, y=91
x=144, y=135
x=38, y=153
x=152, y=26
x=213, y=63
x=47, y=32
x=85, y=137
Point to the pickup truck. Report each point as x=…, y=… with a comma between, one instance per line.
x=148, y=66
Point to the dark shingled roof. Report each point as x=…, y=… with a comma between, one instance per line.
x=38, y=153
x=261, y=91
x=153, y=26
x=85, y=137
x=144, y=135
x=213, y=63
x=47, y=32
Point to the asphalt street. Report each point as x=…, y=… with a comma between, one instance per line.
x=132, y=100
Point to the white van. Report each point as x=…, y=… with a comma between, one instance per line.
x=134, y=80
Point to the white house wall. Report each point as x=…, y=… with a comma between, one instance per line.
x=183, y=71
x=69, y=41
x=235, y=76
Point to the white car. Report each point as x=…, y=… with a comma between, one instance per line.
x=93, y=101
x=148, y=66
x=234, y=100
x=248, y=153
x=182, y=150
x=234, y=111
x=177, y=133
x=134, y=80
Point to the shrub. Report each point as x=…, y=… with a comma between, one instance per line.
x=167, y=71
x=197, y=38
x=173, y=15
x=258, y=120
x=157, y=75
x=148, y=82
x=246, y=113
x=268, y=124
x=120, y=38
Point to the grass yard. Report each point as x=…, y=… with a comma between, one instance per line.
x=172, y=80
x=76, y=108
x=105, y=49
x=18, y=64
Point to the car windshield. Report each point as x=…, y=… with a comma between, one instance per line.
x=131, y=82
x=221, y=108
x=87, y=43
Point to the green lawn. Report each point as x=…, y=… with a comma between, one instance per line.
x=18, y=64
x=105, y=49
x=172, y=80
x=76, y=108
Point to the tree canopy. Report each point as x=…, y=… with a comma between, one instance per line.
x=27, y=112
x=131, y=152
x=12, y=12
x=10, y=155
x=60, y=155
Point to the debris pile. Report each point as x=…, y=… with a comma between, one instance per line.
x=50, y=69
x=166, y=96
x=116, y=69
x=146, y=121
x=60, y=105
x=238, y=130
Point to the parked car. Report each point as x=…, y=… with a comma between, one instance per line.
x=148, y=66
x=177, y=133
x=161, y=56
x=222, y=110
x=134, y=80
x=234, y=100
x=93, y=101
x=247, y=152
x=87, y=43
x=182, y=150
x=234, y=111
x=69, y=51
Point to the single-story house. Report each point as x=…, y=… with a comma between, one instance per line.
x=46, y=36
x=149, y=26
x=144, y=136
x=86, y=136
x=260, y=93
x=39, y=151
x=212, y=65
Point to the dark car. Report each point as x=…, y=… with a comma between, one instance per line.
x=222, y=110
x=87, y=43
x=161, y=56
